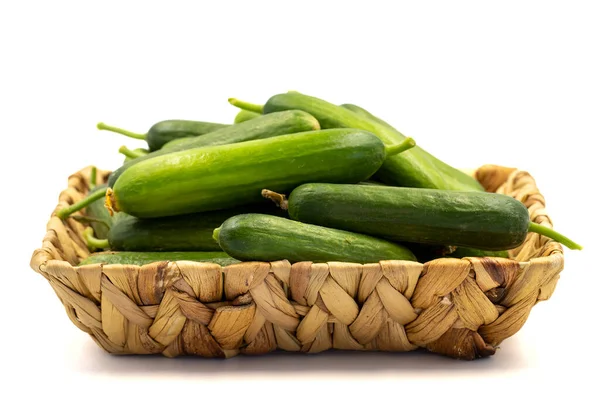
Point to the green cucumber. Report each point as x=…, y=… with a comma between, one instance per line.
x=163, y=132
x=189, y=232
x=245, y=115
x=416, y=168
x=220, y=177
x=98, y=216
x=480, y=220
x=259, y=237
x=143, y=258
x=461, y=252
x=258, y=128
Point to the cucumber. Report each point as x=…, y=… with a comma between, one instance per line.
x=143, y=258
x=461, y=252
x=99, y=217
x=245, y=115
x=480, y=220
x=165, y=131
x=259, y=237
x=266, y=126
x=221, y=177
x=416, y=168
x=189, y=232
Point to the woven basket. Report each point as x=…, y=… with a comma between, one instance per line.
x=462, y=308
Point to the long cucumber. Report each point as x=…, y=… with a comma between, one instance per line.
x=479, y=220
x=416, y=168
x=221, y=177
x=266, y=126
x=261, y=237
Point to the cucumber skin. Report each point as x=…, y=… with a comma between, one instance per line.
x=98, y=210
x=481, y=220
x=414, y=168
x=220, y=177
x=245, y=115
x=190, y=232
x=267, y=126
x=143, y=258
x=259, y=237
x=163, y=132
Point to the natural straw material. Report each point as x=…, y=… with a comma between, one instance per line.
x=462, y=308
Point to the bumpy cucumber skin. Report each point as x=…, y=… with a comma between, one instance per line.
x=258, y=128
x=97, y=210
x=220, y=177
x=268, y=238
x=245, y=115
x=480, y=220
x=163, y=132
x=143, y=258
x=414, y=168
x=190, y=232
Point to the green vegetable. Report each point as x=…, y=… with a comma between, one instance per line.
x=165, y=131
x=98, y=216
x=189, y=232
x=480, y=220
x=268, y=238
x=258, y=128
x=220, y=177
x=461, y=252
x=245, y=115
x=143, y=258
x=416, y=168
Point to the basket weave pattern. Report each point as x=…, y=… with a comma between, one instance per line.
x=462, y=308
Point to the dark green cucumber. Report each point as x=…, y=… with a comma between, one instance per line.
x=163, y=132
x=416, y=168
x=245, y=115
x=220, y=177
x=260, y=237
x=258, y=128
x=190, y=232
x=480, y=220
x=143, y=258
x=365, y=114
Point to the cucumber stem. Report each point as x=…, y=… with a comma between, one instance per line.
x=406, y=144
x=93, y=243
x=65, y=212
x=277, y=198
x=128, y=152
x=244, y=105
x=103, y=127
x=215, y=234
x=93, y=178
x=552, y=234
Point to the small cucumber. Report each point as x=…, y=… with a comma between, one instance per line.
x=258, y=128
x=480, y=220
x=221, y=177
x=99, y=217
x=189, y=232
x=165, y=131
x=461, y=252
x=416, y=168
x=245, y=115
x=261, y=237
x=143, y=258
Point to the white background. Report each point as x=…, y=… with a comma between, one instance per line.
x=515, y=83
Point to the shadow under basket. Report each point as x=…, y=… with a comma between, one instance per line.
x=461, y=308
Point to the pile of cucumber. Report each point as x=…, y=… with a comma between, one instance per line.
x=297, y=178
